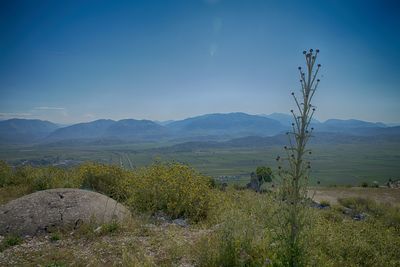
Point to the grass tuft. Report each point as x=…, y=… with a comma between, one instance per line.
x=10, y=241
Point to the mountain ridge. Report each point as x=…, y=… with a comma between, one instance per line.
x=25, y=130
x=207, y=127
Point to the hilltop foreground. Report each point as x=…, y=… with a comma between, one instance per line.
x=182, y=218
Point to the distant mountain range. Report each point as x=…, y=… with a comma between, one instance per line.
x=236, y=127
x=25, y=131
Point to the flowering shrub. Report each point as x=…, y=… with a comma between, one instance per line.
x=106, y=179
x=42, y=178
x=173, y=188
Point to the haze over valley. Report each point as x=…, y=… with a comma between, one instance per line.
x=225, y=146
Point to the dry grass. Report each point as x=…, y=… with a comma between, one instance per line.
x=145, y=243
x=243, y=218
x=332, y=194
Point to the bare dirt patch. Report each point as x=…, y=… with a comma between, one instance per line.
x=332, y=194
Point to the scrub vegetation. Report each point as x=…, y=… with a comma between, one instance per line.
x=224, y=227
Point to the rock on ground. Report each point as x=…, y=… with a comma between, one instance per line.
x=45, y=211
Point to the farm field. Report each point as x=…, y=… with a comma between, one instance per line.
x=345, y=164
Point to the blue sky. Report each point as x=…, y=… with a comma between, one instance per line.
x=73, y=61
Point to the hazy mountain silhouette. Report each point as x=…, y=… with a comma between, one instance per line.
x=210, y=127
x=24, y=130
x=86, y=130
x=128, y=129
x=345, y=125
x=131, y=129
x=284, y=119
x=230, y=125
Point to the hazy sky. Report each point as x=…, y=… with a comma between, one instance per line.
x=72, y=61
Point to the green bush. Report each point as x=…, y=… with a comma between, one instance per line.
x=5, y=174
x=22, y=176
x=47, y=178
x=173, y=188
x=42, y=178
x=106, y=179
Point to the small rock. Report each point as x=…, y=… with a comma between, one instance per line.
x=150, y=225
x=161, y=216
x=180, y=222
x=317, y=205
x=47, y=210
x=346, y=211
x=360, y=217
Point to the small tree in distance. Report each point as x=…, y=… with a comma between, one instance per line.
x=294, y=176
x=264, y=174
x=257, y=179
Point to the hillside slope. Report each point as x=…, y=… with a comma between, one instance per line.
x=21, y=131
x=229, y=125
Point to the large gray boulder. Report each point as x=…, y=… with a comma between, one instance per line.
x=48, y=210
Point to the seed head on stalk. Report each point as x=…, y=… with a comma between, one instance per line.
x=294, y=176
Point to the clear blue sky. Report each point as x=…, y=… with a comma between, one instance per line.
x=72, y=61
